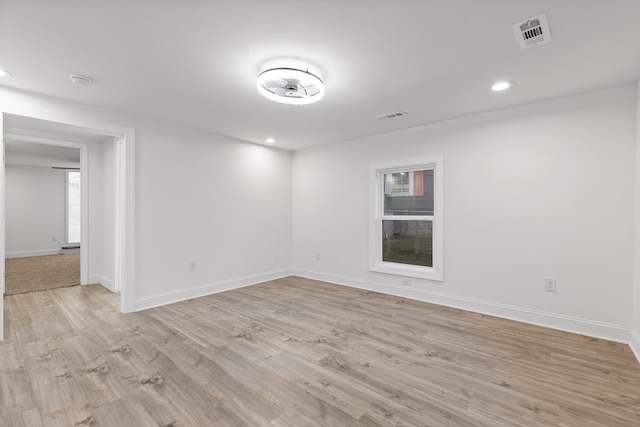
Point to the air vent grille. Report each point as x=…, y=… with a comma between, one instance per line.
x=77, y=79
x=534, y=34
x=533, y=31
x=391, y=115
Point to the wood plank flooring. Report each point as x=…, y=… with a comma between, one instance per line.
x=295, y=352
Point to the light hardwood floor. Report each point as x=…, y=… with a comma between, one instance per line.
x=296, y=352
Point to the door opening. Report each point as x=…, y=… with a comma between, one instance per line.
x=120, y=141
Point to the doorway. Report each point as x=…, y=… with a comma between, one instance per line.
x=43, y=212
x=120, y=142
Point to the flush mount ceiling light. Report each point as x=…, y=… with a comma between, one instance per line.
x=270, y=140
x=500, y=86
x=4, y=73
x=290, y=86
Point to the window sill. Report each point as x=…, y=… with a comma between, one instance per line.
x=406, y=270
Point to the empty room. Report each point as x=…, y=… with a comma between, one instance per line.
x=295, y=213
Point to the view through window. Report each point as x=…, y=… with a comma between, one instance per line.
x=73, y=206
x=407, y=223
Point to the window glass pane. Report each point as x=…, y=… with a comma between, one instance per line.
x=73, y=208
x=407, y=242
x=408, y=193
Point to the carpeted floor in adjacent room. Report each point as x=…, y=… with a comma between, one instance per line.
x=41, y=273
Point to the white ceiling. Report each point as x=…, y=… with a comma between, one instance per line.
x=195, y=62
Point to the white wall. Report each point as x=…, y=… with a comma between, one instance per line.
x=545, y=189
x=635, y=335
x=199, y=196
x=222, y=203
x=108, y=169
x=35, y=198
x=96, y=217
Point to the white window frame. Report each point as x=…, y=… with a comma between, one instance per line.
x=376, y=209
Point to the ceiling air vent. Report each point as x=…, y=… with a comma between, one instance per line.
x=391, y=115
x=77, y=79
x=533, y=31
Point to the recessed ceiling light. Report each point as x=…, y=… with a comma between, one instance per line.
x=270, y=141
x=290, y=86
x=4, y=73
x=499, y=86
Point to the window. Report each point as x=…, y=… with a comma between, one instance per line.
x=73, y=206
x=406, y=232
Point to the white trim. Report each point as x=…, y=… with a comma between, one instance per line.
x=103, y=281
x=118, y=224
x=634, y=343
x=2, y=225
x=106, y=283
x=595, y=329
x=376, y=216
x=125, y=266
x=84, y=214
x=35, y=252
x=204, y=290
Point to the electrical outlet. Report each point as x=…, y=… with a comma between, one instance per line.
x=317, y=256
x=54, y=238
x=550, y=284
x=192, y=266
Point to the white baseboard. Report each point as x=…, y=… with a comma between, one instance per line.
x=36, y=252
x=103, y=281
x=107, y=283
x=634, y=343
x=212, y=288
x=576, y=325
